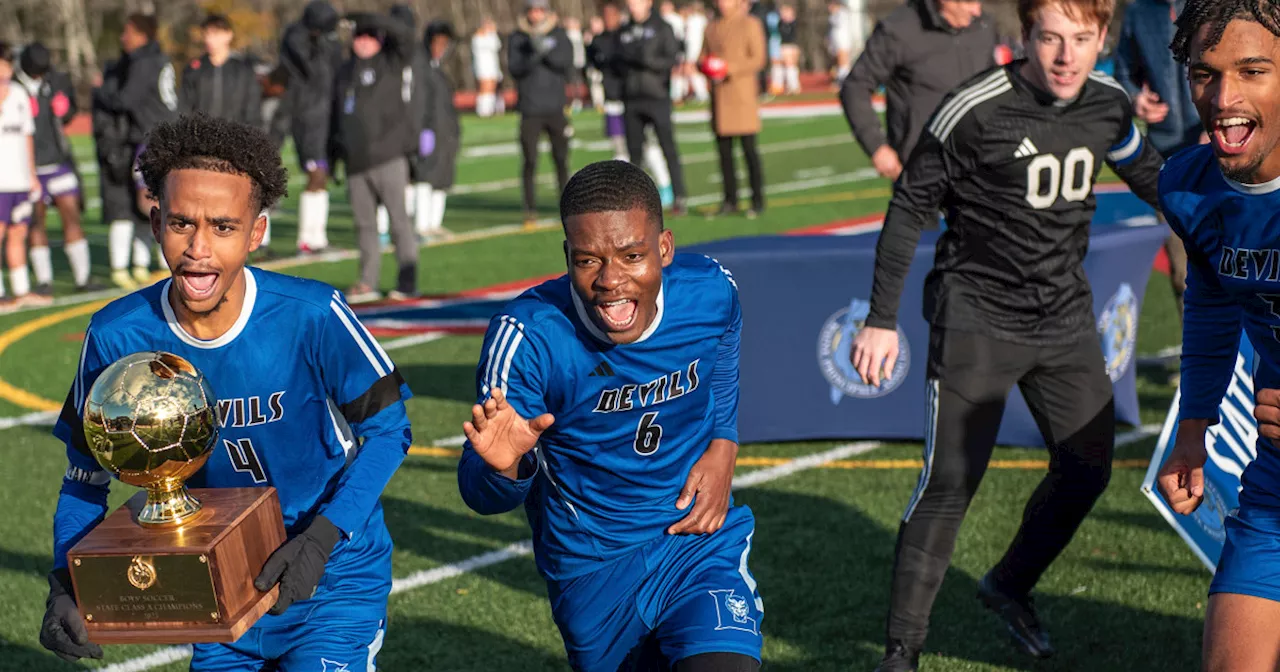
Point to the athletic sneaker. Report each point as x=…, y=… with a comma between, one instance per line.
x=121, y=278
x=1019, y=615
x=44, y=289
x=362, y=294
x=90, y=286
x=898, y=657
x=141, y=276
x=397, y=295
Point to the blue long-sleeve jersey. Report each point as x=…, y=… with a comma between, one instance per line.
x=1232, y=236
x=308, y=403
x=631, y=420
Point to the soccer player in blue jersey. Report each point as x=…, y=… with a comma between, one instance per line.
x=1222, y=199
x=608, y=403
x=308, y=402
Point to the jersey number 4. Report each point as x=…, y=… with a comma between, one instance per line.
x=648, y=434
x=1048, y=178
x=245, y=459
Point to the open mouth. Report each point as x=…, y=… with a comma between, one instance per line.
x=197, y=285
x=618, y=315
x=1062, y=78
x=1232, y=134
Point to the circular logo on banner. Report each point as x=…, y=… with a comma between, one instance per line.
x=1212, y=514
x=1118, y=331
x=834, y=343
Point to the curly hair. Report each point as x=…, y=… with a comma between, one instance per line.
x=1217, y=14
x=611, y=186
x=219, y=145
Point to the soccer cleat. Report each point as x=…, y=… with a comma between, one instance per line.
x=397, y=295
x=90, y=286
x=44, y=289
x=899, y=657
x=362, y=294
x=141, y=276
x=1019, y=615
x=121, y=278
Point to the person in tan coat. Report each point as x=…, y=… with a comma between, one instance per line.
x=737, y=39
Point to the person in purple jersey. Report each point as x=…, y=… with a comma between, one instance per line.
x=608, y=406
x=1221, y=199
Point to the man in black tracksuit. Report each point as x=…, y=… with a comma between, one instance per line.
x=147, y=96
x=373, y=134
x=540, y=56
x=602, y=53
x=312, y=54
x=440, y=123
x=919, y=52
x=648, y=50
x=54, y=105
x=221, y=84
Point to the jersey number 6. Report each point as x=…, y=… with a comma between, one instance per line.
x=1076, y=168
x=648, y=434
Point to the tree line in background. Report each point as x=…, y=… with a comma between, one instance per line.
x=83, y=33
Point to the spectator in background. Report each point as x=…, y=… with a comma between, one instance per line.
x=595, y=78
x=840, y=39
x=442, y=137
x=19, y=185
x=695, y=28
x=577, y=74
x=790, y=75
x=115, y=172
x=312, y=54
x=1161, y=97
x=737, y=39
x=679, y=87
x=54, y=106
x=540, y=57
x=603, y=54
x=485, y=45
x=649, y=51
x=415, y=75
x=221, y=84
x=921, y=51
x=147, y=95
x=374, y=132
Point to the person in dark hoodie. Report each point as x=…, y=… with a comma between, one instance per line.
x=147, y=96
x=442, y=134
x=373, y=134
x=311, y=54
x=919, y=53
x=648, y=50
x=539, y=56
x=602, y=53
x=54, y=106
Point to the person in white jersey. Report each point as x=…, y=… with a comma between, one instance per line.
x=695, y=26
x=19, y=186
x=485, y=45
x=679, y=85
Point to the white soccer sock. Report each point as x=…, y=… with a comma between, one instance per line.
x=620, y=149
x=776, y=74
x=438, y=198
x=20, y=280
x=793, y=78
x=266, y=235
x=384, y=220
x=42, y=265
x=78, y=257
x=699, y=84
x=322, y=219
x=679, y=88
x=313, y=215
x=422, y=211
x=484, y=104
x=657, y=164
x=119, y=240
x=142, y=246
x=410, y=199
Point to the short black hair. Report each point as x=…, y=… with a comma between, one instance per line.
x=6, y=52
x=1217, y=14
x=35, y=60
x=218, y=21
x=145, y=24
x=210, y=143
x=611, y=186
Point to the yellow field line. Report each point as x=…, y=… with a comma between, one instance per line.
x=19, y=396
x=436, y=451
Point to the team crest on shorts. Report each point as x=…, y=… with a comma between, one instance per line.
x=1118, y=331
x=834, y=342
x=733, y=612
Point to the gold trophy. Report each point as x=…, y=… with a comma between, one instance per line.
x=170, y=566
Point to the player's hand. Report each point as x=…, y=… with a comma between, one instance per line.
x=708, y=487
x=1148, y=107
x=298, y=564
x=1181, y=479
x=873, y=353
x=887, y=162
x=63, y=630
x=1266, y=410
x=500, y=435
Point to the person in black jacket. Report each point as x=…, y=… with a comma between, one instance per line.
x=919, y=52
x=540, y=56
x=115, y=172
x=648, y=50
x=373, y=134
x=146, y=96
x=442, y=134
x=55, y=106
x=311, y=54
x=602, y=53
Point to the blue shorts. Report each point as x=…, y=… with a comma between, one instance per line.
x=686, y=594
x=1250, y=562
x=321, y=645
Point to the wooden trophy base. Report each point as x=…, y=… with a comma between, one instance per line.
x=186, y=584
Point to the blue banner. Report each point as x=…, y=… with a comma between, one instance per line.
x=1232, y=445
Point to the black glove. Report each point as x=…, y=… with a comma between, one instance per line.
x=63, y=630
x=298, y=564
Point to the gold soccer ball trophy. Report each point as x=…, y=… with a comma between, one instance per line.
x=151, y=420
